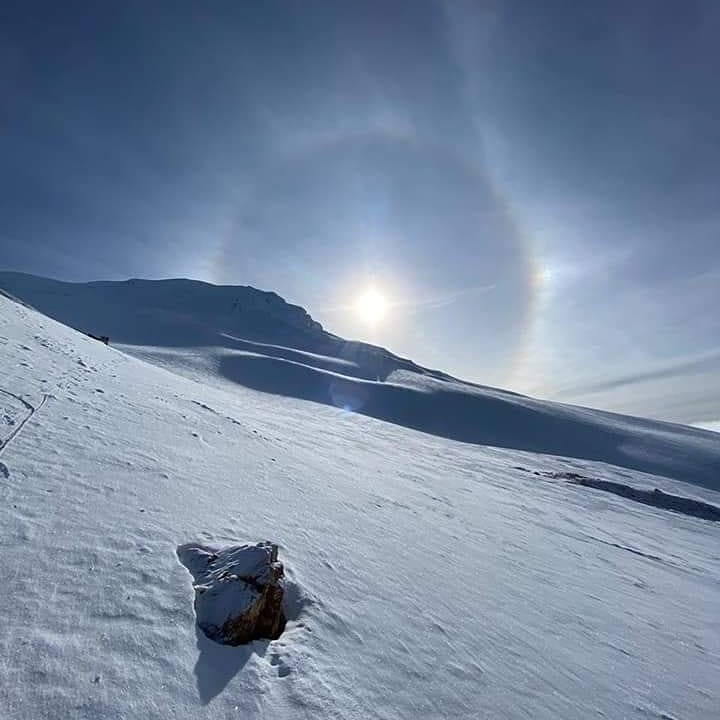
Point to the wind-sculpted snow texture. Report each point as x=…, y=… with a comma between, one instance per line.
x=425, y=577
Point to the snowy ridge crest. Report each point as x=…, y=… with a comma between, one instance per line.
x=225, y=305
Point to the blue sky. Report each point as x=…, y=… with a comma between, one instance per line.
x=534, y=187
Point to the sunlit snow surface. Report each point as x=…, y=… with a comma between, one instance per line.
x=430, y=578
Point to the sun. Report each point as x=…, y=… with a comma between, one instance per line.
x=371, y=306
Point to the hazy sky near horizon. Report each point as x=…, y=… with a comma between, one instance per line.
x=534, y=187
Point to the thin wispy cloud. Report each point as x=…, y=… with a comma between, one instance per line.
x=434, y=302
x=678, y=368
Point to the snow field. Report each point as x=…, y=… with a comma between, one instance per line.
x=433, y=578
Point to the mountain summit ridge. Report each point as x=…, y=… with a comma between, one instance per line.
x=169, y=294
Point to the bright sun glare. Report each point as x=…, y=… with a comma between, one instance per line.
x=371, y=306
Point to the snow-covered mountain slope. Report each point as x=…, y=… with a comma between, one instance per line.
x=190, y=313
x=429, y=578
x=240, y=335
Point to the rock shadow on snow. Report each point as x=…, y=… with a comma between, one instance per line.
x=242, y=602
x=218, y=664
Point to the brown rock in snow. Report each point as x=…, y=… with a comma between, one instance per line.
x=238, y=591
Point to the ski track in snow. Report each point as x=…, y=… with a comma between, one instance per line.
x=430, y=578
x=32, y=410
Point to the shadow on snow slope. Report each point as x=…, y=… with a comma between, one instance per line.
x=495, y=418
